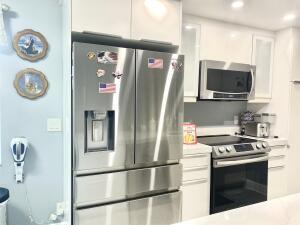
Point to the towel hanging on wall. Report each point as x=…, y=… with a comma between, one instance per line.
x=3, y=36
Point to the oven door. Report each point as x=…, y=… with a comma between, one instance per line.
x=226, y=81
x=238, y=182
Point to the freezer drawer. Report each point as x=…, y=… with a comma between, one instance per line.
x=157, y=210
x=102, y=188
x=159, y=106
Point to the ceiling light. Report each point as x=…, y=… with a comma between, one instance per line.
x=289, y=17
x=156, y=9
x=237, y=4
x=189, y=27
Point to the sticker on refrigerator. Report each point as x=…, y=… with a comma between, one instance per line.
x=100, y=72
x=176, y=65
x=117, y=74
x=91, y=56
x=107, y=88
x=106, y=57
x=155, y=63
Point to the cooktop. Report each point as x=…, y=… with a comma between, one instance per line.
x=223, y=140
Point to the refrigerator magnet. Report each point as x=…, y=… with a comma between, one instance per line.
x=155, y=63
x=100, y=72
x=106, y=57
x=117, y=74
x=176, y=65
x=107, y=88
x=91, y=56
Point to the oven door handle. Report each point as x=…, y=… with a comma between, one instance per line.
x=240, y=162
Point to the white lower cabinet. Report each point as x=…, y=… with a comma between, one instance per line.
x=195, y=186
x=277, y=179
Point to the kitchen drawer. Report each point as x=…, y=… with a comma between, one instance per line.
x=275, y=161
x=156, y=210
x=277, y=182
x=195, y=199
x=278, y=150
x=194, y=173
x=195, y=160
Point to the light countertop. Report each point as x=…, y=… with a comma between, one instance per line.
x=196, y=149
x=271, y=141
x=281, y=211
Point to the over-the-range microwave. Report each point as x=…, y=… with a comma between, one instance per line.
x=226, y=81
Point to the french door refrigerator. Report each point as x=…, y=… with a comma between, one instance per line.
x=127, y=136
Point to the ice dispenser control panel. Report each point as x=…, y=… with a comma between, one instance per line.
x=99, y=131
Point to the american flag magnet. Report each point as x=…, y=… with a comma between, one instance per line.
x=155, y=63
x=107, y=88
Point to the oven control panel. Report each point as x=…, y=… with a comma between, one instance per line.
x=223, y=151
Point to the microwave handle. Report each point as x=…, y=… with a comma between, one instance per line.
x=253, y=82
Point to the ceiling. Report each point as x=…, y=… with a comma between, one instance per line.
x=266, y=14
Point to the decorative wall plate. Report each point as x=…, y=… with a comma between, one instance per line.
x=30, y=45
x=31, y=83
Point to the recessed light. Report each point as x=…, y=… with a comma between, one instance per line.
x=289, y=17
x=237, y=4
x=189, y=27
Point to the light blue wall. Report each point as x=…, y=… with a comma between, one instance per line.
x=22, y=117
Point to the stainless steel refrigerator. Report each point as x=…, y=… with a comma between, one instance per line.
x=127, y=136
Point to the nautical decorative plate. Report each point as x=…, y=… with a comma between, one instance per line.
x=30, y=45
x=31, y=83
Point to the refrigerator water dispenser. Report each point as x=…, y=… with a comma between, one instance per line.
x=99, y=131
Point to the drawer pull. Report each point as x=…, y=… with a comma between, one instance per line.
x=195, y=168
x=276, y=167
x=276, y=157
x=189, y=182
x=195, y=155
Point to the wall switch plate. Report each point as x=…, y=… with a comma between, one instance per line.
x=54, y=125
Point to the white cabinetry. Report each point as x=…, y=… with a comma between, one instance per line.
x=277, y=177
x=190, y=47
x=262, y=58
x=195, y=186
x=100, y=16
x=296, y=56
x=136, y=19
x=225, y=44
x=157, y=20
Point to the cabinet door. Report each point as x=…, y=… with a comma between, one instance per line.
x=224, y=43
x=277, y=186
x=110, y=17
x=158, y=20
x=190, y=47
x=296, y=55
x=195, y=199
x=262, y=57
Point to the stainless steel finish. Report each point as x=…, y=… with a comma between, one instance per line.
x=159, y=210
x=206, y=64
x=86, y=97
x=216, y=153
x=240, y=160
x=103, y=188
x=159, y=109
x=257, y=129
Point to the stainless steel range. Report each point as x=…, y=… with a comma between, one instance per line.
x=239, y=174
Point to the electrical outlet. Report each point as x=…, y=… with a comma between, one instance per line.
x=60, y=208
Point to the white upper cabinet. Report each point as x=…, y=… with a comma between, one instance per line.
x=225, y=43
x=100, y=16
x=262, y=58
x=190, y=47
x=296, y=56
x=158, y=20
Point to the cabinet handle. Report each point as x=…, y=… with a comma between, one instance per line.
x=195, y=155
x=195, y=168
x=277, y=157
x=276, y=167
x=189, y=182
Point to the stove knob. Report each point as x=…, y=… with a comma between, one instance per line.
x=258, y=146
x=228, y=149
x=264, y=145
x=221, y=149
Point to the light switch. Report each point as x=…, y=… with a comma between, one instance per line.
x=54, y=125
